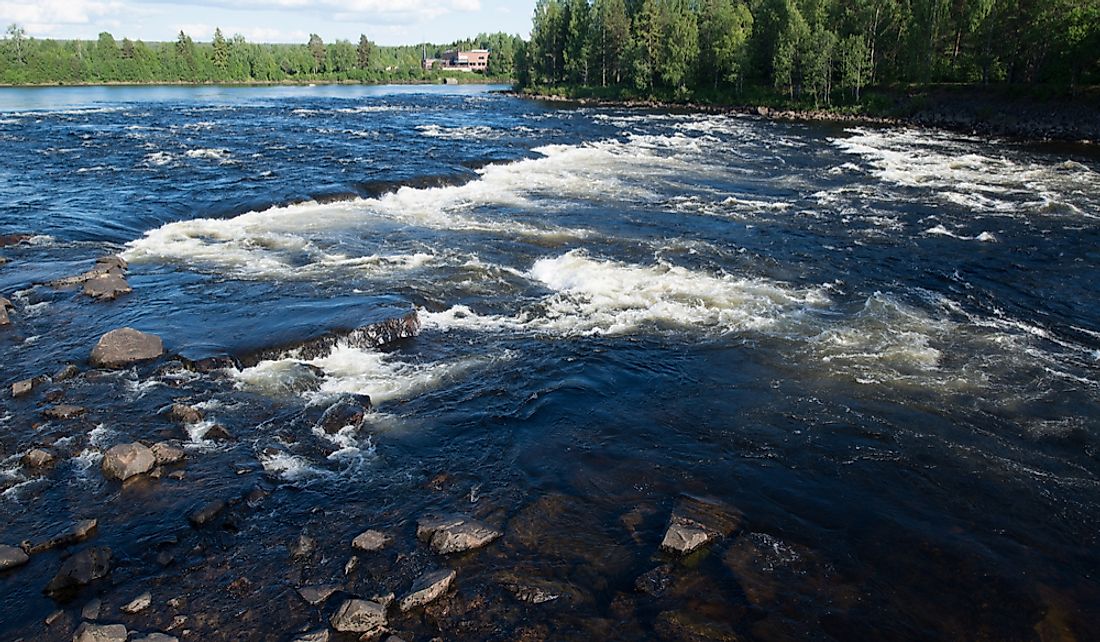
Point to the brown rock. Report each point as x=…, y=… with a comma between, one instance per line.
x=167, y=452
x=157, y=637
x=185, y=414
x=82, y=568
x=359, y=616
x=697, y=521
x=24, y=387
x=79, y=532
x=101, y=633
x=206, y=513
x=138, y=604
x=107, y=287
x=125, y=346
x=427, y=588
x=68, y=372
x=37, y=458
x=454, y=534
x=124, y=461
x=12, y=556
x=63, y=411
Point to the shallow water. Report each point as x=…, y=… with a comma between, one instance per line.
x=880, y=346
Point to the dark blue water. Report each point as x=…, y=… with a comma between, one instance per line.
x=880, y=346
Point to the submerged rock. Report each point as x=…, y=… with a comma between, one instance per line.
x=12, y=556
x=37, y=458
x=359, y=616
x=427, y=588
x=318, y=593
x=371, y=541
x=320, y=635
x=5, y=305
x=344, y=413
x=68, y=372
x=454, y=534
x=124, y=347
x=79, y=532
x=697, y=521
x=124, y=461
x=101, y=633
x=63, y=412
x=82, y=568
x=206, y=513
x=373, y=335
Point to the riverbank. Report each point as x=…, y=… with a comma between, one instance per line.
x=984, y=112
x=462, y=80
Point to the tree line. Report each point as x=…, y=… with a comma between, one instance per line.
x=808, y=49
x=25, y=60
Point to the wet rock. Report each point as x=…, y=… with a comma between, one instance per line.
x=344, y=413
x=318, y=593
x=101, y=633
x=385, y=600
x=167, y=452
x=156, y=637
x=321, y=635
x=4, y=306
x=371, y=541
x=53, y=395
x=427, y=588
x=12, y=556
x=690, y=627
x=209, y=364
x=63, y=412
x=124, y=461
x=91, y=610
x=124, y=347
x=185, y=414
x=205, y=514
x=66, y=373
x=80, y=569
x=107, y=287
x=13, y=239
x=26, y=386
x=79, y=532
x=217, y=432
x=138, y=604
x=373, y=335
x=697, y=521
x=454, y=534
x=656, y=582
x=359, y=616
x=37, y=458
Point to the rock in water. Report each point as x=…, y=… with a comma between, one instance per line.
x=125, y=346
x=697, y=521
x=5, y=305
x=157, y=637
x=371, y=541
x=317, y=594
x=359, y=616
x=124, y=461
x=107, y=287
x=168, y=452
x=79, y=532
x=12, y=556
x=138, y=604
x=454, y=534
x=101, y=633
x=37, y=458
x=427, y=588
x=63, y=411
x=24, y=387
x=206, y=513
x=343, y=413
x=82, y=568
x=185, y=414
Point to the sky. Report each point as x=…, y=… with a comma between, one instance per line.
x=386, y=22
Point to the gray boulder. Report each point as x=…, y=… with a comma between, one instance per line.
x=371, y=541
x=124, y=347
x=427, y=588
x=63, y=412
x=697, y=521
x=5, y=305
x=107, y=287
x=37, y=458
x=11, y=557
x=359, y=616
x=157, y=637
x=454, y=534
x=124, y=461
x=101, y=633
x=185, y=414
x=82, y=568
x=167, y=452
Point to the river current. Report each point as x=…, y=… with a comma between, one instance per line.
x=879, y=347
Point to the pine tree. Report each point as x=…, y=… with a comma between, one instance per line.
x=316, y=48
x=364, y=53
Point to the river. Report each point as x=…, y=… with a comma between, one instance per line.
x=877, y=348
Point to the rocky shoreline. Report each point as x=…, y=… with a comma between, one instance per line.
x=1026, y=120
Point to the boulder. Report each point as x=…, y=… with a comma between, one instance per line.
x=167, y=452
x=697, y=521
x=82, y=568
x=185, y=414
x=454, y=534
x=37, y=458
x=101, y=633
x=12, y=556
x=107, y=287
x=63, y=412
x=91, y=610
x=320, y=635
x=124, y=347
x=68, y=372
x=371, y=541
x=217, y=432
x=24, y=387
x=124, y=461
x=5, y=305
x=359, y=616
x=138, y=604
x=206, y=513
x=344, y=413
x=427, y=588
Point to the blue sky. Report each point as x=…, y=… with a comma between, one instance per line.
x=387, y=22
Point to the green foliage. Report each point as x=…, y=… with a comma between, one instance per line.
x=811, y=51
x=26, y=60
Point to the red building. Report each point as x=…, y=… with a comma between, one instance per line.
x=476, y=60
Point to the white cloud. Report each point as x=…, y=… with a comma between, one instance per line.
x=52, y=13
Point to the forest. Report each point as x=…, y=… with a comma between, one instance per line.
x=30, y=61
x=813, y=51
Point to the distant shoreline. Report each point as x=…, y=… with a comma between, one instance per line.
x=965, y=110
x=480, y=80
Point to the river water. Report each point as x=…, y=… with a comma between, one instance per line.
x=879, y=347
